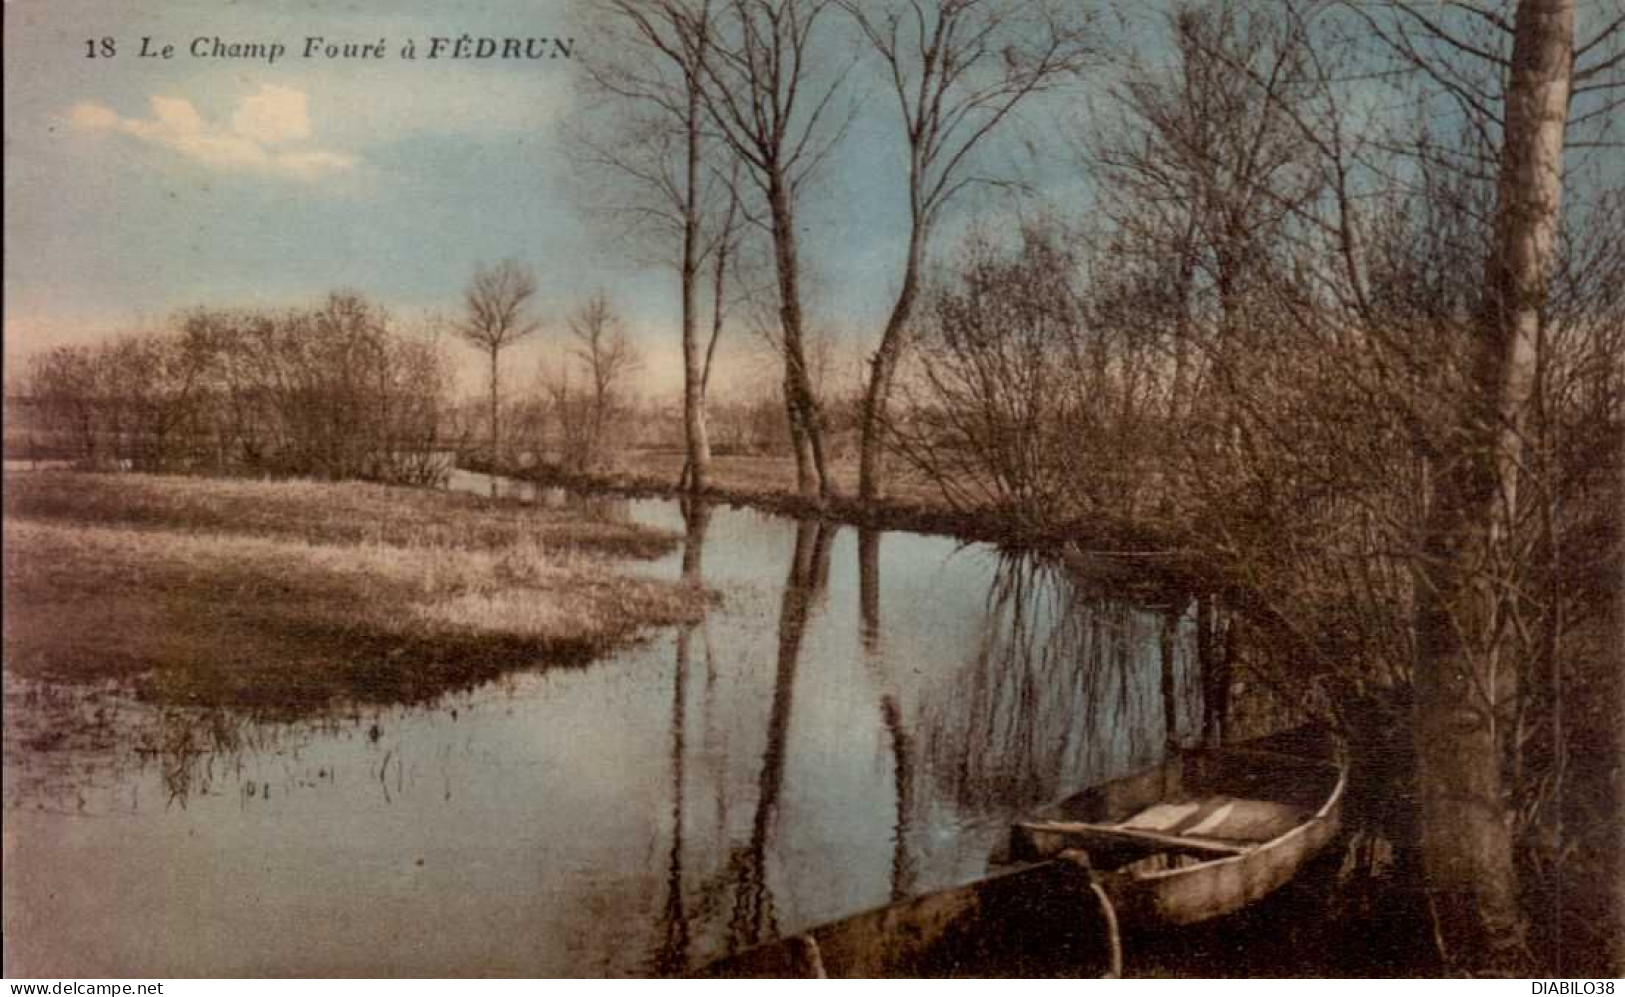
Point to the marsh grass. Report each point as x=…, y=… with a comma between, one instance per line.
x=342, y=512
x=290, y=598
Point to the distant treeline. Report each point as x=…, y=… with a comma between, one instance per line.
x=332, y=391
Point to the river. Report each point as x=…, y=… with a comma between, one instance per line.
x=857, y=719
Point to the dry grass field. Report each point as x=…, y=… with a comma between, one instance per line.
x=291, y=597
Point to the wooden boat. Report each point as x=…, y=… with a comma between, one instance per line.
x=1012, y=923
x=1197, y=837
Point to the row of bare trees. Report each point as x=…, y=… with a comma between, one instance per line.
x=332, y=391
x=335, y=391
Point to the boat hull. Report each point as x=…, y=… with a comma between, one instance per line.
x=1148, y=879
x=1031, y=920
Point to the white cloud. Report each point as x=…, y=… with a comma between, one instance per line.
x=176, y=115
x=227, y=152
x=273, y=117
x=91, y=117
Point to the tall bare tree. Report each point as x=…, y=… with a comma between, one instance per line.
x=656, y=142
x=497, y=303
x=771, y=101
x=1530, y=92
x=958, y=70
x=1462, y=670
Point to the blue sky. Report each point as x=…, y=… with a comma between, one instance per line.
x=135, y=187
x=139, y=186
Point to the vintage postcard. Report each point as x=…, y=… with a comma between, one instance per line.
x=858, y=488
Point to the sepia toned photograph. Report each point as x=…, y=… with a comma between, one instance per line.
x=814, y=488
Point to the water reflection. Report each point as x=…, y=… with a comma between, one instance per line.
x=1056, y=692
x=1215, y=649
x=191, y=744
x=1168, y=671
x=671, y=958
x=856, y=720
x=755, y=915
x=904, y=867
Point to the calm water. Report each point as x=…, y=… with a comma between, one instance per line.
x=858, y=719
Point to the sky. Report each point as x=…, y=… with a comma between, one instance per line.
x=140, y=186
x=137, y=186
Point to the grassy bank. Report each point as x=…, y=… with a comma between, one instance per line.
x=293, y=597
x=769, y=483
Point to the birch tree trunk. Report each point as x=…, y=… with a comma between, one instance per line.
x=801, y=402
x=694, y=431
x=883, y=370
x=1464, y=670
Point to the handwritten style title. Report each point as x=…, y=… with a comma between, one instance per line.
x=462, y=46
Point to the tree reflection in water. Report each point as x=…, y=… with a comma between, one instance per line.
x=188, y=746
x=1005, y=732
x=904, y=867
x=754, y=917
x=671, y=957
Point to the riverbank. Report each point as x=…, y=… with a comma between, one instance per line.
x=1120, y=547
x=289, y=598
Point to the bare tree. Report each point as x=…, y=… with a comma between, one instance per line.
x=994, y=413
x=497, y=301
x=958, y=70
x=605, y=354
x=1533, y=92
x=771, y=104
x=657, y=146
x=1461, y=615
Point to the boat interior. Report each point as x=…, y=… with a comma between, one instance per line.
x=1198, y=807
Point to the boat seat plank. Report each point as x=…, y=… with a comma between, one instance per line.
x=1213, y=819
x=1109, y=833
x=1178, y=818
x=1223, y=817
x=1161, y=816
